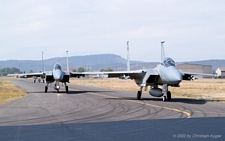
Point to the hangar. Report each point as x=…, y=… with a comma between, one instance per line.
x=220, y=72
x=196, y=68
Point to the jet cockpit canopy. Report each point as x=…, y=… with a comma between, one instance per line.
x=167, y=62
x=57, y=67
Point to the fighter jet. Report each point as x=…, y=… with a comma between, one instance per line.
x=56, y=75
x=164, y=74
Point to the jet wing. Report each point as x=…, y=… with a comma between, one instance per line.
x=189, y=75
x=34, y=74
x=26, y=75
x=118, y=74
x=125, y=74
x=78, y=74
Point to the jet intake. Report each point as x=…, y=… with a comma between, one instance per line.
x=156, y=92
x=66, y=78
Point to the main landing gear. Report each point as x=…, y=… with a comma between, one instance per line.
x=167, y=94
x=168, y=97
x=139, y=93
x=67, y=89
x=46, y=88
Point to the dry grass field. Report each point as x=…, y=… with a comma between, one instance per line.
x=207, y=89
x=9, y=91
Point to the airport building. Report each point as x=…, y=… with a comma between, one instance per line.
x=220, y=72
x=196, y=68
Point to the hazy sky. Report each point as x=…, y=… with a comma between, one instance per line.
x=193, y=30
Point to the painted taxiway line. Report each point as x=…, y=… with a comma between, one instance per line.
x=139, y=102
x=213, y=113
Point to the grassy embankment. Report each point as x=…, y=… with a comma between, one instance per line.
x=207, y=89
x=9, y=91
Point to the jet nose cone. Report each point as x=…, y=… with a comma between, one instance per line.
x=174, y=77
x=177, y=77
x=57, y=74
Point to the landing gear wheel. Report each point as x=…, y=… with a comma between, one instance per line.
x=169, y=96
x=58, y=91
x=43, y=81
x=67, y=89
x=138, y=95
x=164, y=98
x=34, y=81
x=46, y=89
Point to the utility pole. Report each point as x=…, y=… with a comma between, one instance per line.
x=19, y=68
x=42, y=63
x=67, y=63
x=128, y=57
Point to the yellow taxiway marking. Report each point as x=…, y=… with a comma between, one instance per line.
x=209, y=112
x=167, y=108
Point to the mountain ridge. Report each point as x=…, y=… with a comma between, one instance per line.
x=95, y=62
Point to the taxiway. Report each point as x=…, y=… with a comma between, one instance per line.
x=93, y=114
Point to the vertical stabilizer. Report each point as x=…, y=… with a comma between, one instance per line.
x=67, y=62
x=162, y=51
x=128, y=57
x=42, y=63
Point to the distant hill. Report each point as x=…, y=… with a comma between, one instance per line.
x=94, y=63
x=89, y=62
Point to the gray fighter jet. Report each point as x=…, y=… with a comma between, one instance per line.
x=164, y=74
x=56, y=75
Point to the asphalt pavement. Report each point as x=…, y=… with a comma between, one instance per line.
x=96, y=114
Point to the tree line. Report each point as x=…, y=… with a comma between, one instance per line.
x=81, y=69
x=7, y=70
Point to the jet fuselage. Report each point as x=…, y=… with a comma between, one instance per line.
x=57, y=72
